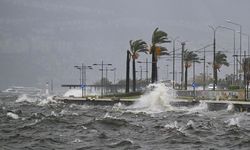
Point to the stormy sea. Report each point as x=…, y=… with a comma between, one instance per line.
x=37, y=122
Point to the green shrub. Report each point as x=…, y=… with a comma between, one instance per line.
x=234, y=87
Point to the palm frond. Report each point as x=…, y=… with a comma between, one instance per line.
x=159, y=37
x=137, y=46
x=221, y=59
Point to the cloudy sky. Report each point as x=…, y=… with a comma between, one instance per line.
x=41, y=40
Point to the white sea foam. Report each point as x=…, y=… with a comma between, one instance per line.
x=12, y=115
x=53, y=114
x=155, y=101
x=190, y=124
x=233, y=122
x=45, y=101
x=230, y=107
x=173, y=125
x=77, y=141
x=202, y=107
x=25, y=98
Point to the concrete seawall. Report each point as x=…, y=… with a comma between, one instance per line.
x=212, y=105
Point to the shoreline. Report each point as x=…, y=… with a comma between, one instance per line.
x=213, y=105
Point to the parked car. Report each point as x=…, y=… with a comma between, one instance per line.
x=210, y=86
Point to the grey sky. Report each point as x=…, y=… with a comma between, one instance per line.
x=42, y=40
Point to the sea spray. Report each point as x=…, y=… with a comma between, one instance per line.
x=233, y=122
x=202, y=107
x=230, y=107
x=12, y=115
x=25, y=98
x=73, y=92
x=155, y=101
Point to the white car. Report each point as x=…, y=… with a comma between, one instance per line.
x=210, y=86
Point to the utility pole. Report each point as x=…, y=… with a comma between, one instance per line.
x=182, y=65
x=174, y=61
x=102, y=64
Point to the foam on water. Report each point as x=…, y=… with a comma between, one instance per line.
x=202, y=107
x=155, y=101
x=230, y=107
x=12, y=115
x=25, y=98
x=233, y=122
x=46, y=101
x=173, y=125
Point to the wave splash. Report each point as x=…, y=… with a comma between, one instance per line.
x=155, y=101
x=40, y=100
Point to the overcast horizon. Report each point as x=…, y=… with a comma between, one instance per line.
x=42, y=41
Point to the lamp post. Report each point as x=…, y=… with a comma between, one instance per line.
x=80, y=70
x=102, y=64
x=114, y=69
x=182, y=65
x=146, y=62
x=234, y=49
x=174, y=61
x=247, y=35
x=83, y=76
x=237, y=24
x=167, y=72
x=107, y=70
x=214, y=49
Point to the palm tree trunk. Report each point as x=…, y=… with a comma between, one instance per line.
x=216, y=76
x=127, y=72
x=186, y=75
x=154, y=67
x=134, y=76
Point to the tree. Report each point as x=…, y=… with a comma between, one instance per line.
x=189, y=57
x=127, y=71
x=136, y=47
x=220, y=59
x=158, y=37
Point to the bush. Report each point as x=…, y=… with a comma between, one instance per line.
x=125, y=94
x=234, y=87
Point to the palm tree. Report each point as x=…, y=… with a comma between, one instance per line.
x=220, y=59
x=159, y=37
x=127, y=71
x=189, y=57
x=136, y=47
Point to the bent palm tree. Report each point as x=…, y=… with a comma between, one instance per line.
x=159, y=37
x=189, y=57
x=220, y=59
x=135, y=48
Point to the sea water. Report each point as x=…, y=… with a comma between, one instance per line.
x=38, y=122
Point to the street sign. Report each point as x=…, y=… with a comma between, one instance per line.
x=83, y=86
x=193, y=85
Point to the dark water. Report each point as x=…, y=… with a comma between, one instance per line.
x=42, y=124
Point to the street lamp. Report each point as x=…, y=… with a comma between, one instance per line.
x=247, y=35
x=174, y=61
x=237, y=24
x=214, y=47
x=146, y=62
x=234, y=49
x=80, y=70
x=102, y=64
x=83, y=76
x=106, y=70
x=167, y=72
